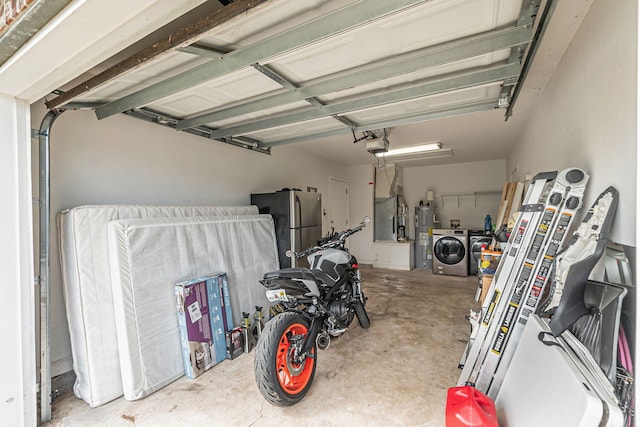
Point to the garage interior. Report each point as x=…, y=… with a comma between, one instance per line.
x=375, y=376
x=204, y=103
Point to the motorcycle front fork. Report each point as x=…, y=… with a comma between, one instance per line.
x=357, y=289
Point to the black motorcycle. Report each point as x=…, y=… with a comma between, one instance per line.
x=312, y=305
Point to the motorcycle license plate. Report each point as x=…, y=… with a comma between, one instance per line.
x=275, y=295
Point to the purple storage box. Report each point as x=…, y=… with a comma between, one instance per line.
x=204, y=312
x=195, y=327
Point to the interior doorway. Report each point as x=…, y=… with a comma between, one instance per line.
x=338, y=204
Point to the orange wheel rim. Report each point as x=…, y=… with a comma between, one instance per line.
x=293, y=377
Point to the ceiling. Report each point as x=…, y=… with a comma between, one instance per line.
x=317, y=74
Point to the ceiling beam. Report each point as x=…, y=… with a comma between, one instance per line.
x=345, y=121
x=478, y=78
x=276, y=77
x=282, y=81
x=204, y=51
x=326, y=26
x=391, y=122
x=182, y=37
x=443, y=113
x=203, y=131
x=424, y=58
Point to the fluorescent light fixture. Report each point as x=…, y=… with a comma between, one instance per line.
x=412, y=149
x=418, y=157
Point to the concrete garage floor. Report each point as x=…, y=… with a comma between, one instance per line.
x=394, y=374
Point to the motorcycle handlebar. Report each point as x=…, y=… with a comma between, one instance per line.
x=339, y=240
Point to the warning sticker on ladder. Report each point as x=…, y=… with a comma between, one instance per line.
x=501, y=339
x=492, y=305
x=520, y=232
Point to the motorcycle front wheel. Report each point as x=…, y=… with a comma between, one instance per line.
x=281, y=379
x=363, y=317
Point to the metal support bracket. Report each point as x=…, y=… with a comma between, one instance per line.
x=202, y=131
x=45, y=255
x=282, y=81
x=345, y=121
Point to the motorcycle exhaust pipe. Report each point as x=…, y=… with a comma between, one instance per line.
x=323, y=340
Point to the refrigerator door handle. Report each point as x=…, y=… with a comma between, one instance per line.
x=393, y=225
x=298, y=211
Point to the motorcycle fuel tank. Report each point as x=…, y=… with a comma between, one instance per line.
x=331, y=261
x=335, y=256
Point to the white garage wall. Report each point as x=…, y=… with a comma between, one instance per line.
x=122, y=160
x=586, y=116
x=360, y=205
x=454, y=187
x=463, y=178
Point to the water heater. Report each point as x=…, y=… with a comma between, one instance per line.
x=423, y=244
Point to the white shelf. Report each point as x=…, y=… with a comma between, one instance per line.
x=474, y=195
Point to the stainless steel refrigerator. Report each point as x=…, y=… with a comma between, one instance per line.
x=297, y=216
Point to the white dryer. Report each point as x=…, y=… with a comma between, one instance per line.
x=450, y=252
x=477, y=238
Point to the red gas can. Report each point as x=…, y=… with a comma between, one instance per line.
x=468, y=407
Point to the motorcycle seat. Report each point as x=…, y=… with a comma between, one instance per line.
x=320, y=277
x=291, y=273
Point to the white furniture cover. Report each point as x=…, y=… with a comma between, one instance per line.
x=148, y=257
x=86, y=282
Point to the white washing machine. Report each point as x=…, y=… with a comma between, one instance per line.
x=450, y=252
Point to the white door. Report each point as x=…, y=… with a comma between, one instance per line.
x=338, y=204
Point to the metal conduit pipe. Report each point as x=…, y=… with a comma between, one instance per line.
x=44, y=237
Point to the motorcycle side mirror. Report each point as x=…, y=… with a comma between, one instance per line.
x=289, y=253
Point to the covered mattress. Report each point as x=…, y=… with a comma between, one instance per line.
x=148, y=257
x=86, y=282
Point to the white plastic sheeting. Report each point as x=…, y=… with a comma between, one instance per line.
x=86, y=282
x=148, y=257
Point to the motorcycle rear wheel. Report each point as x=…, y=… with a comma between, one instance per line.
x=281, y=380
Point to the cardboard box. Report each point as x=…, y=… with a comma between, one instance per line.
x=204, y=317
x=235, y=339
x=486, y=284
x=220, y=312
x=198, y=353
